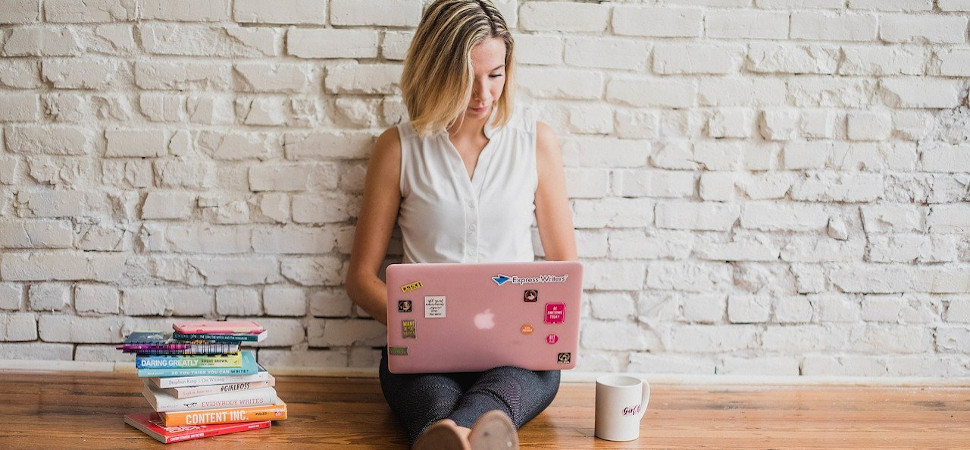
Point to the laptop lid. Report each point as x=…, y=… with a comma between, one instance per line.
x=474, y=317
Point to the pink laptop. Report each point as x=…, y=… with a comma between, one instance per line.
x=474, y=317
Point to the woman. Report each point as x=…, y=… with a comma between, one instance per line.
x=464, y=179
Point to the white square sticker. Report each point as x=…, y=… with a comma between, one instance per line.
x=434, y=307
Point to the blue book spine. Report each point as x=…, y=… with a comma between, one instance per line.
x=248, y=367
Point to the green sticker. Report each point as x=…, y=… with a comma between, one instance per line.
x=399, y=351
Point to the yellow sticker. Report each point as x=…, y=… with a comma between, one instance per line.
x=412, y=286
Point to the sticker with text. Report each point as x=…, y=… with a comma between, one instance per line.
x=397, y=351
x=404, y=306
x=527, y=329
x=407, y=329
x=434, y=307
x=410, y=287
x=565, y=358
x=555, y=312
x=552, y=338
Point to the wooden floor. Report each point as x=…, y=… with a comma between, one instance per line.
x=84, y=410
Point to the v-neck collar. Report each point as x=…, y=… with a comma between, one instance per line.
x=480, y=171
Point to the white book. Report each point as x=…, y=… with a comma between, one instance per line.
x=196, y=391
x=163, y=402
x=206, y=380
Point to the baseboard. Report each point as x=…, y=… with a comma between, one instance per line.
x=699, y=381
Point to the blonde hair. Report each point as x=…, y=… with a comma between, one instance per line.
x=437, y=79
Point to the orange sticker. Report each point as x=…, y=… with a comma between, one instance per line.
x=527, y=329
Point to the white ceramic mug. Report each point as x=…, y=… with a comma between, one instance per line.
x=621, y=401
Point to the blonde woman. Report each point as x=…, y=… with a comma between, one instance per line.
x=464, y=179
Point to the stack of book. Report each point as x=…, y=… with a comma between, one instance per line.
x=200, y=383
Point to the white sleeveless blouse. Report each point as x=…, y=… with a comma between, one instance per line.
x=446, y=217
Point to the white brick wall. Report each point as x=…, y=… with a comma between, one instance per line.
x=767, y=187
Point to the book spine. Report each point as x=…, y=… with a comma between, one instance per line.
x=195, y=372
x=217, y=337
x=187, y=361
x=177, y=382
x=198, y=391
x=166, y=403
x=214, y=348
x=227, y=415
x=209, y=432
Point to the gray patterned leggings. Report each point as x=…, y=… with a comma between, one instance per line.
x=419, y=400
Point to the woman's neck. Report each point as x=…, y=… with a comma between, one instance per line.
x=464, y=128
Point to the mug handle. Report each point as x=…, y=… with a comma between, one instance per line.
x=646, y=397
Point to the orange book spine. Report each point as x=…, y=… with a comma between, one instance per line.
x=225, y=415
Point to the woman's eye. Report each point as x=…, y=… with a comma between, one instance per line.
x=495, y=75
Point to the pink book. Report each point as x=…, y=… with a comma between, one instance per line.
x=150, y=424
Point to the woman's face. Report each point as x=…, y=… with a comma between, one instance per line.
x=488, y=65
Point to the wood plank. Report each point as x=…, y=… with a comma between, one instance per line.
x=72, y=409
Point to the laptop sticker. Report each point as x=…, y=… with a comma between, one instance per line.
x=501, y=279
x=530, y=295
x=552, y=338
x=434, y=307
x=565, y=358
x=527, y=329
x=404, y=306
x=407, y=329
x=410, y=287
x=397, y=351
x=555, y=312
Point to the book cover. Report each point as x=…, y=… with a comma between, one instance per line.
x=276, y=411
x=143, y=361
x=238, y=337
x=163, y=402
x=248, y=367
x=196, y=391
x=158, y=342
x=206, y=380
x=151, y=424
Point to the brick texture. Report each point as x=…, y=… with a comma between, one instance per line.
x=759, y=187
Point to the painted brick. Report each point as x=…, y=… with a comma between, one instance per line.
x=921, y=92
x=889, y=60
x=697, y=216
x=332, y=43
x=787, y=58
x=568, y=17
x=280, y=12
x=649, y=93
x=680, y=59
x=96, y=299
x=553, y=83
x=636, y=244
x=831, y=26
x=184, y=10
x=391, y=13
x=70, y=11
x=537, y=49
x=20, y=12
x=920, y=28
x=38, y=41
x=746, y=24
x=607, y=53
x=954, y=5
x=646, y=21
x=954, y=62
x=49, y=296
x=768, y=216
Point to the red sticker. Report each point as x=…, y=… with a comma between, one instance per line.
x=555, y=312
